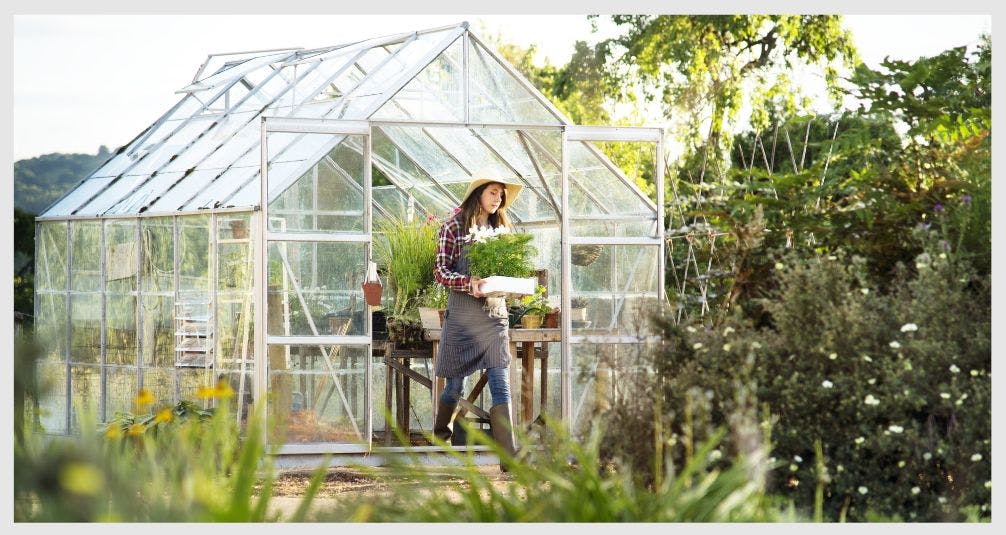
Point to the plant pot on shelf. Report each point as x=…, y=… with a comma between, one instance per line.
x=239, y=229
x=552, y=319
x=430, y=317
x=372, y=293
x=578, y=314
x=531, y=321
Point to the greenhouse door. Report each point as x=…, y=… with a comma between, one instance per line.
x=316, y=205
x=622, y=282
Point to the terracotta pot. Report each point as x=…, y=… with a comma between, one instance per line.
x=239, y=229
x=372, y=293
x=552, y=320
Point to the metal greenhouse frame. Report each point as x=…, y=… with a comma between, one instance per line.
x=249, y=206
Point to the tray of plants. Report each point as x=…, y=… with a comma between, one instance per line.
x=503, y=260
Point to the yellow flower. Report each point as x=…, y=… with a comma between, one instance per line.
x=143, y=399
x=135, y=430
x=113, y=432
x=223, y=390
x=81, y=478
x=205, y=392
x=164, y=415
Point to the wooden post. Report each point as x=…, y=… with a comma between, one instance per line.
x=527, y=383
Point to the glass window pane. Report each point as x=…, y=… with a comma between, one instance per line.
x=51, y=414
x=220, y=132
x=67, y=205
x=329, y=277
x=177, y=191
x=120, y=391
x=619, y=287
x=51, y=270
x=51, y=326
x=496, y=97
x=158, y=235
x=599, y=372
x=121, y=256
x=120, y=335
x=160, y=382
x=435, y=94
x=85, y=268
x=158, y=332
x=85, y=393
x=320, y=394
x=85, y=328
x=194, y=253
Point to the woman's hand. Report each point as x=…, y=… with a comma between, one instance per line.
x=477, y=287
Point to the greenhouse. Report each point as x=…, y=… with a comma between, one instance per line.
x=230, y=239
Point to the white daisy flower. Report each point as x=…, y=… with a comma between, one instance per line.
x=863, y=490
x=870, y=400
x=827, y=384
x=909, y=327
x=954, y=369
x=832, y=356
x=976, y=457
x=697, y=345
x=944, y=395
x=860, y=440
x=916, y=490
x=896, y=428
x=895, y=345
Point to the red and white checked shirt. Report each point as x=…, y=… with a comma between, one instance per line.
x=448, y=252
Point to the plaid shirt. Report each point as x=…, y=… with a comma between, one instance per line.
x=448, y=252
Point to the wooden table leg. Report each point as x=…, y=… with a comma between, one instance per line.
x=544, y=376
x=389, y=379
x=513, y=374
x=406, y=397
x=527, y=383
x=438, y=382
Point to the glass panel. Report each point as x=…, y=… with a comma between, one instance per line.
x=158, y=334
x=68, y=204
x=318, y=394
x=50, y=325
x=235, y=333
x=329, y=278
x=595, y=176
x=643, y=228
x=85, y=393
x=153, y=188
x=225, y=128
x=235, y=330
x=436, y=93
x=189, y=380
x=242, y=143
x=177, y=192
x=120, y=337
x=158, y=254
x=328, y=197
x=220, y=192
x=194, y=253
x=121, y=253
x=496, y=97
x=618, y=288
x=599, y=371
x=120, y=392
x=85, y=267
x=85, y=328
x=51, y=414
x=172, y=146
x=51, y=274
x=160, y=382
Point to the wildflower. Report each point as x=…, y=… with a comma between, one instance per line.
x=870, y=400
x=113, y=432
x=726, y=347
x=871, y=380
x=143, y=399
x=924, y=226
x=916, y=490
x=988, y=484
x=840, y=468
x=833, y=356
x=865, y=291
x=927, y=455
x=895, y=345
x=755, y=345
x=798, y=459
x=974, y=373
x=727, y=331
x=827, y=384
x=867, y=358
x=778, y=265
x=908, y=327
x=944, y=395
x=81, y=478
x=204, y=392
x=793, y=467
x=164, y=415
x=943, y=256
x=954, y=369
x=966, y=199
x=863, y=490
x=860, y=440
x=937, y=208
x=976, y=457
x=697, y=345
x=941, y=499
x=690, y=329
x=896, y=428
x=135, y=430
x=715, y=455
x=901, y=464
x=223, y=390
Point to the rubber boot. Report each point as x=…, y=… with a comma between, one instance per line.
x=502, y=429
x=442, y=425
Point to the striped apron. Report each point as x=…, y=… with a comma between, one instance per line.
x=471, y=339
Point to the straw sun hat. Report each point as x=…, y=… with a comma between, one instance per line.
x=484, y=177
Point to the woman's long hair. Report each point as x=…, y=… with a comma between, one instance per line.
x=471, y=209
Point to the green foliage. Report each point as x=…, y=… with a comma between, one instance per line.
x=505, y=255
x=895, y=385
x=434, y=296
x=566, y=481
x=174, y=464
x=407, y=250
x=535, y=304
x=40, y=181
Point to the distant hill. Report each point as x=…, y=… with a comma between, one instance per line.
x=38, y=182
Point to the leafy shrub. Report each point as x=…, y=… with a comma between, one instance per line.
x=406, y=251
x=894, y=385
x=506, y=255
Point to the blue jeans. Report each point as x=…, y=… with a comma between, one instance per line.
x=499, y=386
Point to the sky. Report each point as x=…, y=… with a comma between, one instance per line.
x=81, y=81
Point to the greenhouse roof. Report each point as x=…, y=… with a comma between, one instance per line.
x=204, y=153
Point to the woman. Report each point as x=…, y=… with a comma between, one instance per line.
x=474, y=336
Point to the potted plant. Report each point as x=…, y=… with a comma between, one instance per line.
x=432, y=304
x=503, y=259
x=578, y=309
x=406, y=251
x=535, y=307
